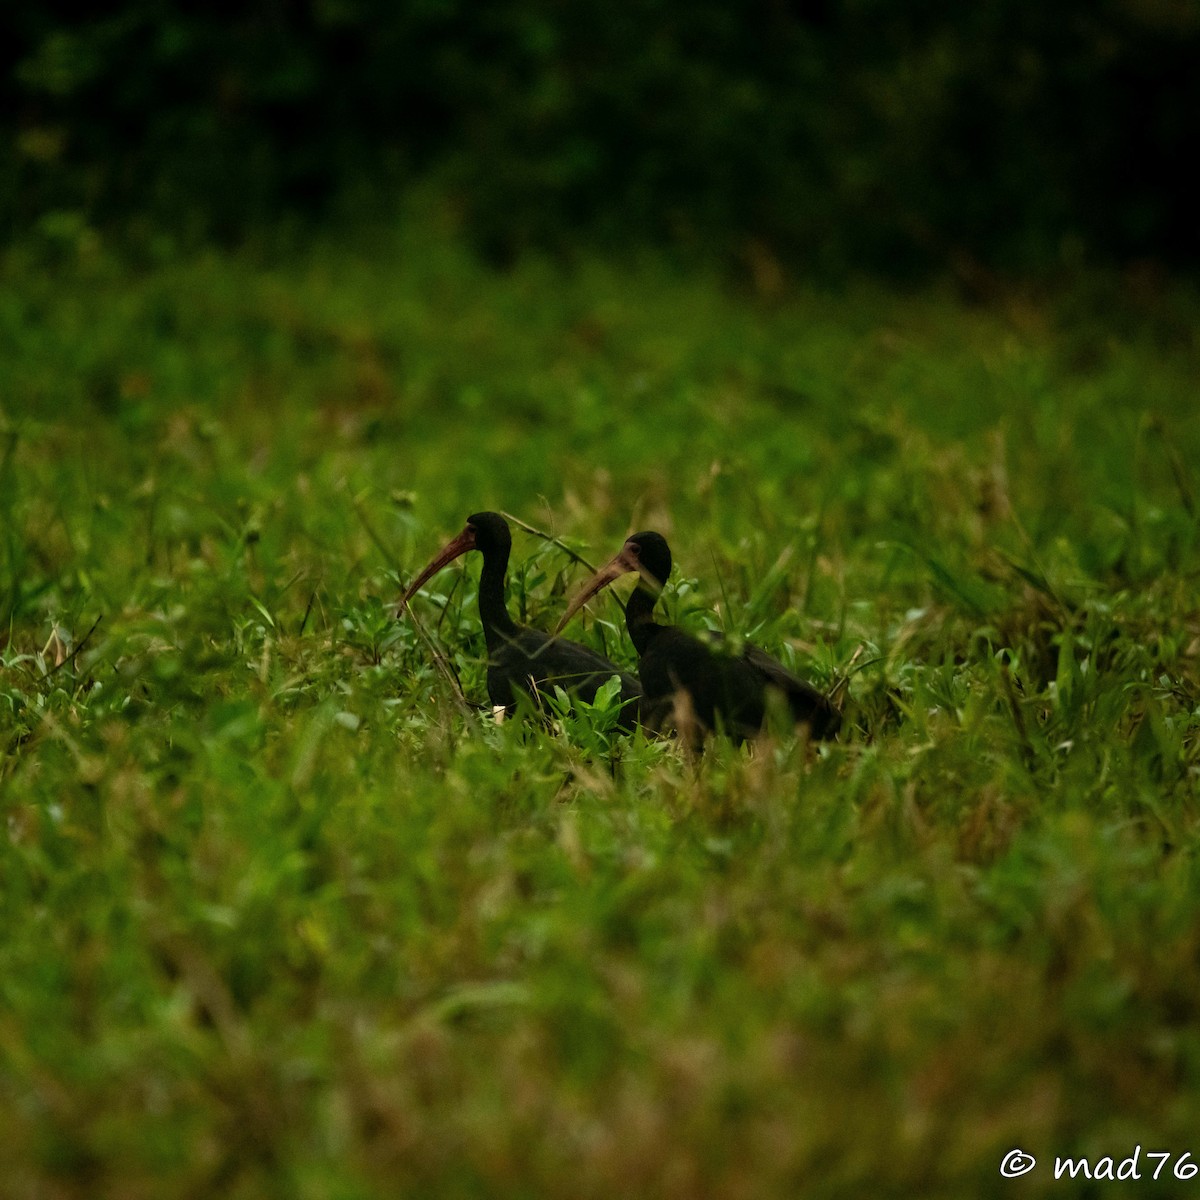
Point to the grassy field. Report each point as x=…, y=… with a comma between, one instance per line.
x=280, y=919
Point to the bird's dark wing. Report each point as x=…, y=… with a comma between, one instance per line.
x=727, y=684
x=807, y=702
x=771, y=669
x=534, y=658
x=563, y=659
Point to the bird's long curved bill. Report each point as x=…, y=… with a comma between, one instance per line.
x=448, y=553
x=623, y=564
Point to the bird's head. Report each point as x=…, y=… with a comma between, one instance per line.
x=484, y=531
x=490, y=532
x=649, y=555
x=645, y=554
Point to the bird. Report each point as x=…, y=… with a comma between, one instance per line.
x=520, y=658
x=705, y=688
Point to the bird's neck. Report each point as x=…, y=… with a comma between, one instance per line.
x=639, y=618
x=498, y=626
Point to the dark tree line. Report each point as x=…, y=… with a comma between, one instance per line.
x=832, y=132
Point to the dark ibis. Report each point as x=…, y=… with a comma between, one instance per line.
x=683, y=675
x=520, y=658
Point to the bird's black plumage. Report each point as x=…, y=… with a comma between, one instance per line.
x=520, y=658
x=716, y=690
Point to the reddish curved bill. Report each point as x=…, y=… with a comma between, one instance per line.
x=449, y=552
x=623, y=564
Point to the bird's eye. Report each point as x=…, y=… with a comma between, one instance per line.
x=635, y=549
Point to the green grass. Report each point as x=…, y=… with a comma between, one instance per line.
x=279, y=919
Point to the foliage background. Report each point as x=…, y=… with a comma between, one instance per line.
x=827, y=132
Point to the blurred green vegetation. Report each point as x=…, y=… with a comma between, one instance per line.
x=278, y=918
x=825, y=134
x=291, y=288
